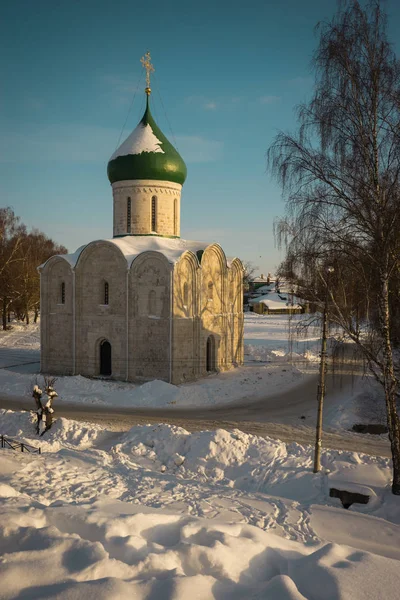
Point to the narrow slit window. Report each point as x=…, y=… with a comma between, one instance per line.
x=63, y=293
x=106, y=293
x=210, y=290
x=185, y=294
x=175, y=217
x=152, y=303
x=128, y=215
x=154, y=213
x=231, y=291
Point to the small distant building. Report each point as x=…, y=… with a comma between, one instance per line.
x=258, y=282
x=274, y=304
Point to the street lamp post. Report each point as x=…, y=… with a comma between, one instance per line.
x=322, y=373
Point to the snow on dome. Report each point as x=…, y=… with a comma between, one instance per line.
x=146, y=154
x=142, y=139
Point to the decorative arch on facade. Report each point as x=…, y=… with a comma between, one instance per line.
x=86, y=253
x=150, y=270
x=57, y=274
x=185, y=285
x=235, y=294
x=214, y=278
x=52, y=262
x=101, y=263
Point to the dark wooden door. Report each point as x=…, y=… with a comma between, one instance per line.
x=105, y=358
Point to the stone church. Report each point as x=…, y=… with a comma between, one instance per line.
x=145, y=304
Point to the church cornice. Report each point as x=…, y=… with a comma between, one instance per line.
x=146, y=188
x=172, y=237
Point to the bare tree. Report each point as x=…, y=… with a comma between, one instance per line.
x=35, y=248
x=20, y=255
x=340, y=175
x=44, y=400
x=248, y=272
x=11, y=235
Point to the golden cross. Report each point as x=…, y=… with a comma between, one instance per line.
x=145, y=60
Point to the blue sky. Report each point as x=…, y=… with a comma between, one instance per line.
x=228, y=77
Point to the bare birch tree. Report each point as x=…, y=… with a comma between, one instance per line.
x=340, y=176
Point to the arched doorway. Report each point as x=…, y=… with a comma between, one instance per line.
x=210, y=354
x=105, y=358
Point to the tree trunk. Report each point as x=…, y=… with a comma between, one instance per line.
x=390, y=383
x=4, y=314
x=321, y=389
x=27, y=315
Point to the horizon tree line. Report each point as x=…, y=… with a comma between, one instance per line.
x=21, y=252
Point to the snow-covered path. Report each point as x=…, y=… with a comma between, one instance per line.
x=121, y=420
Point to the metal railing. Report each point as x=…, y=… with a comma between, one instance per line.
x=15, y=445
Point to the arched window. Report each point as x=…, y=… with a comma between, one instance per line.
x=175, y=217
x=210, y=290
x=106, y=293
x=152, y=303
x=128, y=215
x=63, y=293
x=185, y=294
x=154, y=213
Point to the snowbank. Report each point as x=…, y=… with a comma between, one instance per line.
x=104, y=550
x=166, y=514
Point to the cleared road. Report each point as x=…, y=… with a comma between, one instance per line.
x=270, y=416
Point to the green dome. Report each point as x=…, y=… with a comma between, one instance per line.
x=146, y=154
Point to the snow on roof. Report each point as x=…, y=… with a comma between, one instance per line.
x=266, y=288
x=273, y=301
x=171, y=248
x=142, y=139
x=132, y=246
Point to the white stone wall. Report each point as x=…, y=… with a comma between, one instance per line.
x=100, y=262
x=146, y=342
x=56, y=318
x=215, y=310
x=149, y=317
x=141, y=192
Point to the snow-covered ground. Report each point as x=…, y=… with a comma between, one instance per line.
x=267, y=351
x=273, y=366
x=158, y=513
